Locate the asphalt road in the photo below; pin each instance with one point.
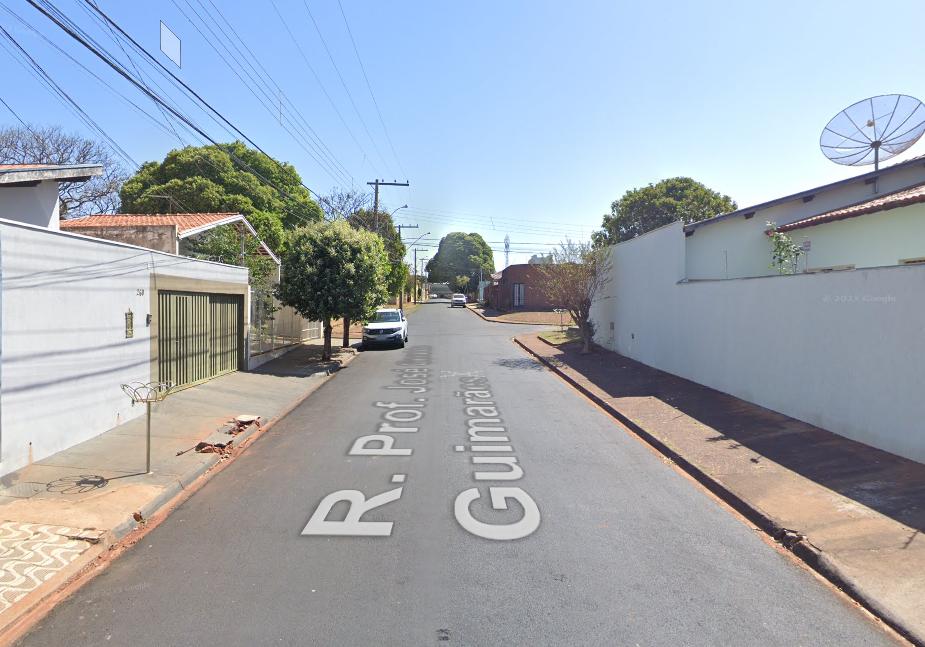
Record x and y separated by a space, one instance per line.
601 543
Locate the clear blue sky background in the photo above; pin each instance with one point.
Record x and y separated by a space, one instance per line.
520 118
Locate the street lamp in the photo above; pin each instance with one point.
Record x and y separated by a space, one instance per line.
404 206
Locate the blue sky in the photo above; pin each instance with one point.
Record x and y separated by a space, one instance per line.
515 118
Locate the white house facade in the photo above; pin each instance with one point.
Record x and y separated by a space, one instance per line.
81 316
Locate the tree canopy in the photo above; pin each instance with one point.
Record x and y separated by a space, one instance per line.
460 254
51 145
208 179
383 225
332 270
574 280
644 209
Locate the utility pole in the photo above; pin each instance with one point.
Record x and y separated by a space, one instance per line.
422 274
416 274
401 291
400 227
376 184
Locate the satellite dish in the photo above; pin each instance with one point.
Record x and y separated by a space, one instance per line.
873 130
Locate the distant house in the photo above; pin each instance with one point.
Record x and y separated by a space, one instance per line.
273 329
734 245
163 232
887 230
517 287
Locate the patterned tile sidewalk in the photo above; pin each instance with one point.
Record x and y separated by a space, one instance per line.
31 554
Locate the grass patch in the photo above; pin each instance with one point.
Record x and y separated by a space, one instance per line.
411 307
557 337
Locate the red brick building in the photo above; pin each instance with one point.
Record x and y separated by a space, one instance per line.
517 287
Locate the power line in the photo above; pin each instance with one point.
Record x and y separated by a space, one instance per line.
63 96
523 229
331 167
62 21
503 222
339 75
291 107
13 112
370 88
324 89
136 68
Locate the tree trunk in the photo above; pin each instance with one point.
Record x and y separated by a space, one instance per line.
346 341
326 348
585 337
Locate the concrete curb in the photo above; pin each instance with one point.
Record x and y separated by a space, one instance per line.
812 556
81 570
515 323
241 442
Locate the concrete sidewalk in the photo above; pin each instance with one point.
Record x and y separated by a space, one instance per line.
62 512
855 513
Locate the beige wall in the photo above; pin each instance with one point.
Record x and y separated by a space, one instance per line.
160 238
872 240
736 247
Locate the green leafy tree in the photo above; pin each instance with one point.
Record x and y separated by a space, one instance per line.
383 225
461 283
224 178
461 254
332 270
650 207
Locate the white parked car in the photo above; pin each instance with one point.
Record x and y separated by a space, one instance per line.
458 300
387 326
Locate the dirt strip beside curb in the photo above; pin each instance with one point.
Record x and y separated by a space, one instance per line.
516 323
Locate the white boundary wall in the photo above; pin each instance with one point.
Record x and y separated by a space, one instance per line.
844 351
63 350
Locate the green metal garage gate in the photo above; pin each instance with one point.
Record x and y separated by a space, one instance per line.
200 336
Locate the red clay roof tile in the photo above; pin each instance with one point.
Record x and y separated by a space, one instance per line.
893 200
183 221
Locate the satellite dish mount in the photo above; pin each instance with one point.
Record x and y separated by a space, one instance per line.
873 130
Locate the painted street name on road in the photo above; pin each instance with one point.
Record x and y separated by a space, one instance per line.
412 381
488 440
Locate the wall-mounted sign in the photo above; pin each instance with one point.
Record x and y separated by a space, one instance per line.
129 325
